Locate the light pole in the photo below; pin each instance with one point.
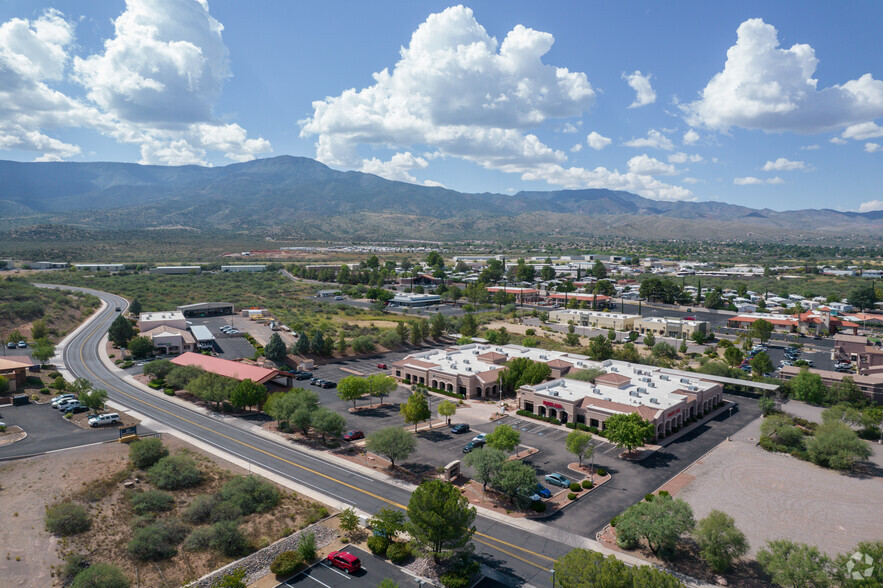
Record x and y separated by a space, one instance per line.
553 577
592 471
730 436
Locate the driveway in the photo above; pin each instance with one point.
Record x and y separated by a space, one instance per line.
48 431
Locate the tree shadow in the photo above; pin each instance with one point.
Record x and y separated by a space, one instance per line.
660 459
864 470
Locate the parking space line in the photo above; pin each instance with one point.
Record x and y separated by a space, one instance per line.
318 581
336 571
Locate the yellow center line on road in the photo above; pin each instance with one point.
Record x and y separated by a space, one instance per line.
305 468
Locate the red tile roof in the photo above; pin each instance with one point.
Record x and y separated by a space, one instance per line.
613 379
559 363
225 367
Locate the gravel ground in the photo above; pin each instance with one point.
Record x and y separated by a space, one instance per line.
257 565
774 496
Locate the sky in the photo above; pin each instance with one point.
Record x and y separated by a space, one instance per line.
765 104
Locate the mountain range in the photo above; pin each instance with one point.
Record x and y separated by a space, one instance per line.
296 197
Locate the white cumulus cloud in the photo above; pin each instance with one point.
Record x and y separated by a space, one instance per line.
653 140
642 87
862 131
690 180
782 164
597 141
681 157
870 206
644 164
838 141
601 177
813 147
396 168
872 147
752 181
576 148
763 86
690 137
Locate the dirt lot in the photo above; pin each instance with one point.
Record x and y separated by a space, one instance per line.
94 476
775 496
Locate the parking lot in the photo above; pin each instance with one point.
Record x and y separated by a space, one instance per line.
374 570
233 346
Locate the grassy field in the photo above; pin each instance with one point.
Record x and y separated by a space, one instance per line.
21 304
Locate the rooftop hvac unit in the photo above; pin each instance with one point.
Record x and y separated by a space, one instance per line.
685 380
475 352
664 377
652 384
654 401
596 391
543 357
693 388
465 361
469 369
613 369
642 390
553 392
635 392
500 349
645 379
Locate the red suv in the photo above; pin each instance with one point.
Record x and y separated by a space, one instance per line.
348 562
353 435
381 366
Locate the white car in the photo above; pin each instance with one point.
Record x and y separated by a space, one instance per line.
479 437
104 419
69 405
62 398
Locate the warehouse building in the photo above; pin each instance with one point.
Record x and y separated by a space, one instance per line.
46 265
100 267
176 269
670 327
206 309
243 268
410 300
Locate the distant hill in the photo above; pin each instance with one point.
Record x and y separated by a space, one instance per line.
296 196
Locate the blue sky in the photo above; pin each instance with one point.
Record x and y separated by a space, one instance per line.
766 104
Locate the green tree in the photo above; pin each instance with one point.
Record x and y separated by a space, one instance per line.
767 405
863 297
599 271
522 371
120 331
720 542
663 349
581 568
761 329
441 519
807 386
303 344
180 376
628 430
388 522
517 480
295 406
135 308
447 409
504 437
351 389
795 565
349 520
159 368
434 259
733 355
761 364
469 326
547 273
4 385
42 350
101 575
381 386
234 579
146 452
649 340
317 344
342 344
93 399
39 330
486 463
713 299
628 353
868 567
579 444
212 388
328 423
275 349
248 393
393 443
416 335
835 445
140 346
660 522
415 410
438 325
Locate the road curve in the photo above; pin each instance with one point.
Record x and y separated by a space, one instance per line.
509 550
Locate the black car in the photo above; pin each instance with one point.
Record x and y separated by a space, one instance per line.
460 428
303 376
473 445
316 381
327 384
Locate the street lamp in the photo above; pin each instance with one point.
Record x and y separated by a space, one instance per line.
553 577
729 438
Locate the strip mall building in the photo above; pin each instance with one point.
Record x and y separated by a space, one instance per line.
666 398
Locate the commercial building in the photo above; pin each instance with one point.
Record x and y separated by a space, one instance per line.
206 309
410 300
817 322
595 319
522 295
867 358
871 386
15 369
170 340
151 320
598 300
45 265
202 335
225 367
100 267
327 293
176 269
670 327
243 268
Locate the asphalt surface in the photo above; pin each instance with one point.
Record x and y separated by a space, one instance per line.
521 556
374 570
47 431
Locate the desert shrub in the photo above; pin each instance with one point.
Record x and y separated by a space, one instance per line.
200 510
2 428
174 472
539 506
571 496
398 552
101 575
587 484
316 513
158 540
67 518
649 497
613 521
144 454
74 563
228 539
54 374
378 545
575 487
152 501
453 579
45 391
58 383
306 546
286 564
250 494
199 539
143 520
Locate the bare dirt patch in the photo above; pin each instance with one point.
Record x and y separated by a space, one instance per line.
95 477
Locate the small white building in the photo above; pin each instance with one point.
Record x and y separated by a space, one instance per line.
243 268
176 269
45 265
172 318
411 300
100 267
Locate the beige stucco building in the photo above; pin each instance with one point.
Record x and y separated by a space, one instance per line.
594 318
670 327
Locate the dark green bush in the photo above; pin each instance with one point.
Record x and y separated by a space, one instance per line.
199 539
664 494
250 494
67 518
306 546
571 496
378 545
101 575
453 580
54 374
601 472
398 552
174 472
539 506
228 539
286 564
144 454
613 521
200 510
587 484
152 501
649 497
575 487
158 540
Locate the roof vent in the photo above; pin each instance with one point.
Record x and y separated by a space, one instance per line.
469 369
652 384
642 390
635 392
596 391
613 369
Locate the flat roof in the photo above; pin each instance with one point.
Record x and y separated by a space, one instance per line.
723 380
201 305
661 396
202 333
177 267
411 297
597 313
169 315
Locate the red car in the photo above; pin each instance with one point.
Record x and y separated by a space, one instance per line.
348 562
353 435
382 366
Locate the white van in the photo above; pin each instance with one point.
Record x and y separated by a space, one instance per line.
104 419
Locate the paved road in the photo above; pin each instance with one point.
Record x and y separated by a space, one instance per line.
522 556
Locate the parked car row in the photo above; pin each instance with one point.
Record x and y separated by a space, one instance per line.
322 383
21 345
301 375
230 330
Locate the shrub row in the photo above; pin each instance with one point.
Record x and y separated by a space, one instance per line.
527 413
